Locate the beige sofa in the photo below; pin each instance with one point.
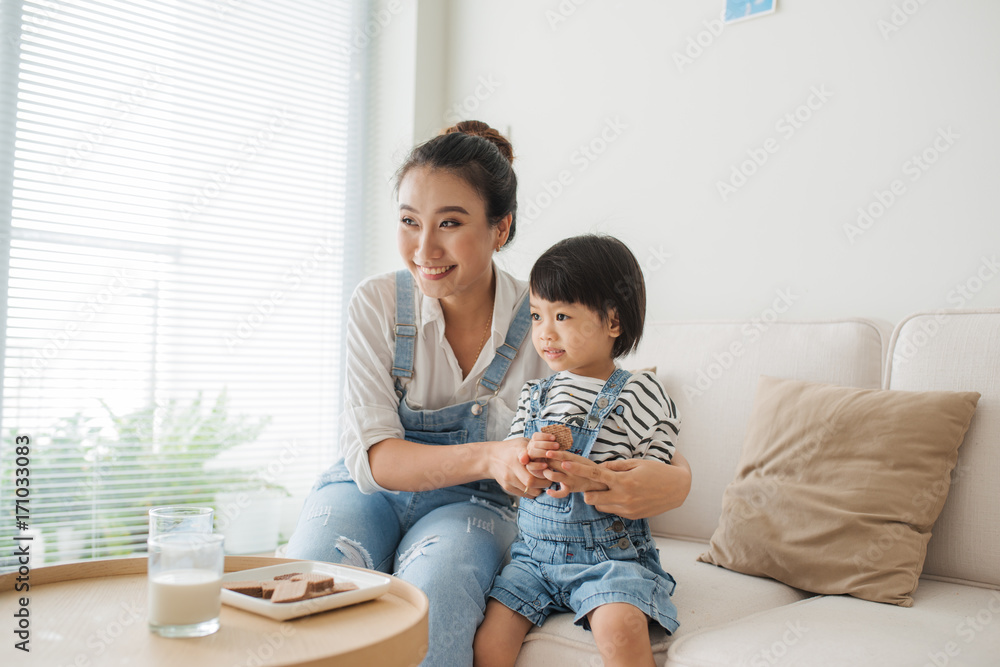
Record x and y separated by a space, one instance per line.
711 370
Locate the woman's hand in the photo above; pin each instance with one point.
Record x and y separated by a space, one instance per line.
571 483
630 488
507 465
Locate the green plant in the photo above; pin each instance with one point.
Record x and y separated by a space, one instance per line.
184 438
98 482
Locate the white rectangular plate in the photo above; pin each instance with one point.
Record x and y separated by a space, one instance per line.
370 586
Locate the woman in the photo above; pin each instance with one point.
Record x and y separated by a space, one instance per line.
433 359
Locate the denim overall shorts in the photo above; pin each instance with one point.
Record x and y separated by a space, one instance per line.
571 557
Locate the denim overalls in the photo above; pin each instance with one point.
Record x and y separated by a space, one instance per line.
570 556
450 542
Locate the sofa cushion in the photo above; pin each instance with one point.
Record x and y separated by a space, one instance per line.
710 370
824 497
705 596
948 624
959 351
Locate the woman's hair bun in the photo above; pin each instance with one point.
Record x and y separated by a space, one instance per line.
480 129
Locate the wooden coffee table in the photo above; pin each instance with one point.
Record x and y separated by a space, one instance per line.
94 613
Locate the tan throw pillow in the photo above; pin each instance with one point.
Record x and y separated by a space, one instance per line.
837 488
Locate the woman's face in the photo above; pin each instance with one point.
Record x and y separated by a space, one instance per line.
443 235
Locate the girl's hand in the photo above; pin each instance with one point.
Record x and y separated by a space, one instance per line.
629 488
507 461
539 445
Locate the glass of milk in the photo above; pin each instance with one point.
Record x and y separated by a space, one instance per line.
184 583
180 518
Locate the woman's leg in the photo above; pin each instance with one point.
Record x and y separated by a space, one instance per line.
339 524
621 632
452 554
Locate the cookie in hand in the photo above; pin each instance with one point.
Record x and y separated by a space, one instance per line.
564 436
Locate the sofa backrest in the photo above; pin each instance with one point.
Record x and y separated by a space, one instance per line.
959 351
710 370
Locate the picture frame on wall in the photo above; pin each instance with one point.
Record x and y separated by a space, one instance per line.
740 10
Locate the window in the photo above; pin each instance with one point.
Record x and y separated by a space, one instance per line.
178 178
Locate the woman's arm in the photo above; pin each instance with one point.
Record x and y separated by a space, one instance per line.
631 488
407 466
401 465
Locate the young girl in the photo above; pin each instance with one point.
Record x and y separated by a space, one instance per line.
587 303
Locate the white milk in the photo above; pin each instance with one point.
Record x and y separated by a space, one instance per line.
184 597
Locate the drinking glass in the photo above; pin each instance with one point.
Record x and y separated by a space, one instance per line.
185 584
180 519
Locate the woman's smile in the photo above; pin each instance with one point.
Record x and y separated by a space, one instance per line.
435 272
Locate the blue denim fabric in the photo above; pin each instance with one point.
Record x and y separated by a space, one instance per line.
571 557
450 542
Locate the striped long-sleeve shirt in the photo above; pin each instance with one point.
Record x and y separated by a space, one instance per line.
646 429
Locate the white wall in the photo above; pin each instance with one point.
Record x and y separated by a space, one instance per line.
560 75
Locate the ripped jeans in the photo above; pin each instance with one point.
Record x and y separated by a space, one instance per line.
448 542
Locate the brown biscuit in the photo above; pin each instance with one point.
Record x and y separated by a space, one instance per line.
267 588
337 588
290 591
317 582
564 436
251 588
292 587
343 587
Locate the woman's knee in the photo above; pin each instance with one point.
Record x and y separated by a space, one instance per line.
329 548
338 524
457 548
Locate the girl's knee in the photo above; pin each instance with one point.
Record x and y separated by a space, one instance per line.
621 632
619 623
499 637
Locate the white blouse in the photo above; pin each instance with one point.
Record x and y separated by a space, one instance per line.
371 404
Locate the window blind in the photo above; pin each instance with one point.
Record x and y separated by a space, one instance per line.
181 176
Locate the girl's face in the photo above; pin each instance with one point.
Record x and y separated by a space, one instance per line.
443 235
572 337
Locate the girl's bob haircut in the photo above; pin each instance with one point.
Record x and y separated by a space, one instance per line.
601 273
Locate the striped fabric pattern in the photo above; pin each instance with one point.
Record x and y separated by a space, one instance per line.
647 427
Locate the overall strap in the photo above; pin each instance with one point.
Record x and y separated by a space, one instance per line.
516 333
539 395
405 329
605 401
607 397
